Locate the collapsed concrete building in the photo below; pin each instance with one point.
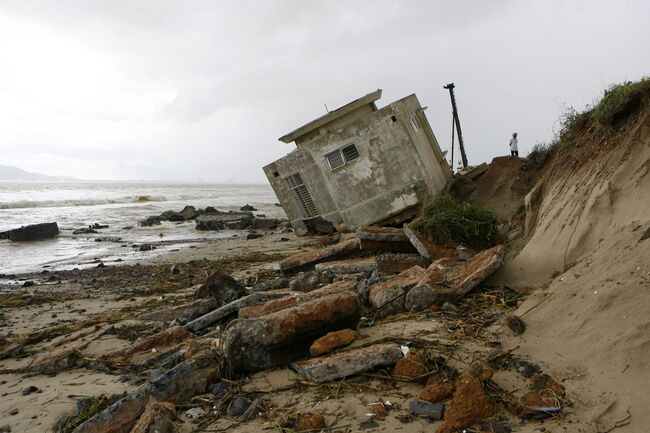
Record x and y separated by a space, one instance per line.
359 165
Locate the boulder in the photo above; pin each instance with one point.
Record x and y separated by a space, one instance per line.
221 287
219 220
247 208
313 257
171 215
319 226
348 363
33 232
189 213
153 220
264 223
275 338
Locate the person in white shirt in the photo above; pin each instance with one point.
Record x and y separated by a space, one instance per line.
514 149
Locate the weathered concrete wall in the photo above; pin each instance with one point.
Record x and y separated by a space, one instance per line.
300 161
398 154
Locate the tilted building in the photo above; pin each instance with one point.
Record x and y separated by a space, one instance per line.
359 165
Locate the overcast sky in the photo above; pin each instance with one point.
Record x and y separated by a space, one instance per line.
188 90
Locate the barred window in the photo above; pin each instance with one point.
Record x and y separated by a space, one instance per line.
340 157
301 195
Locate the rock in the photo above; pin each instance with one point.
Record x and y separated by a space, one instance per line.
471 403
5 428
171 215
410 367
379 409
547 396
157 417
426 409
150 221
309 422
449 307
189 213
146 247
195 412
313 257
83 231
516 324
272 284
219 220
218 390
348 363
275 338
238 406
14 411
28 283
331 341
305 282
208 224
264 223
30 390
247 208
250 236
388 296
176 269
33 232
200 323
221 287
319 226
349 266
437 392
381 234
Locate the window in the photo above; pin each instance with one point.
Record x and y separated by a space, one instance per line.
340 157
301 195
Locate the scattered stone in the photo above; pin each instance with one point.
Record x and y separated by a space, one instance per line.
219 389
247 208
331 341
527 369
250 236
449 307
238 406
379 409
14 411
189 213
348 363
313 257
195 412
171 215
410 367
516 324
33 232
308 422
221 287
427 410
30 390
5 429
275 338
83 231
28 283
146 247
547 396
437 392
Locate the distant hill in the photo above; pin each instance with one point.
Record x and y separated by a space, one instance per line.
15 173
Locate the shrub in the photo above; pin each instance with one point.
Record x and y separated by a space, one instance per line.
619 98
449 222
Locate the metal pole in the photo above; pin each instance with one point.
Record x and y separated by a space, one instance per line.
451 86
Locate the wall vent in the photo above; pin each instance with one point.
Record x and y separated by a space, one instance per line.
340 157
301 195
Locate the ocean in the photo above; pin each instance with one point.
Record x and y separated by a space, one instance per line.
120 205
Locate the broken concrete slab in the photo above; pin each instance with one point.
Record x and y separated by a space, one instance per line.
187 311
447 280
348 363
371 246
157 417
420 242
331 341
179 384
293 298
349 266
167 338
222 287
275 338
310 258
388 296
200 323
393 263
381 234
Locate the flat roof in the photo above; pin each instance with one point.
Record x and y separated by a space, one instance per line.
331 116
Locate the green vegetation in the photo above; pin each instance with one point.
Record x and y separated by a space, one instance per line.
449 222
618 101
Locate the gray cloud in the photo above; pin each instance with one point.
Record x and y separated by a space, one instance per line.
178 90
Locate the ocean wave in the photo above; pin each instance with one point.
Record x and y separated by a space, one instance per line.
22 204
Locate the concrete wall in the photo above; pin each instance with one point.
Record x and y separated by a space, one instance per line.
398 154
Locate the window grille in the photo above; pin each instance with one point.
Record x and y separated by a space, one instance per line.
340 157
301 195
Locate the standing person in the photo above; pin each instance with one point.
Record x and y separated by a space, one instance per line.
514 149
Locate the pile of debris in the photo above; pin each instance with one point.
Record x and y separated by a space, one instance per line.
323 320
